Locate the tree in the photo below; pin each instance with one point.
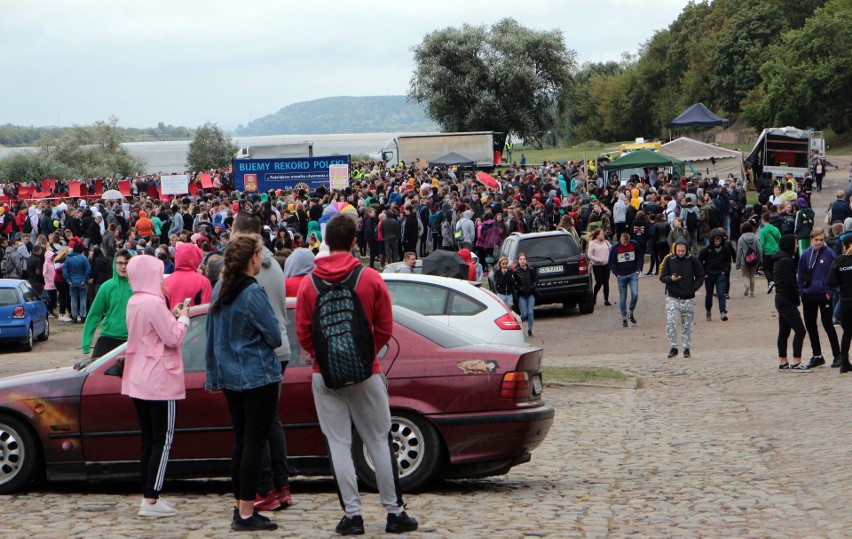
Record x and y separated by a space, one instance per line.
210 148
507 78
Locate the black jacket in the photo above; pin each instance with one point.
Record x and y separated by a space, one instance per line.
784 272
691 276
525 280
504 283
717 262
840 276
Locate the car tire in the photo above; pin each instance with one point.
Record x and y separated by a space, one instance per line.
587 306
419 453
46 333
19 454
27 345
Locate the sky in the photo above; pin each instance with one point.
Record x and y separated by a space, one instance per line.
187 62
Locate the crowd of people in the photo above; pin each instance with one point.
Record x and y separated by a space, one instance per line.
244 253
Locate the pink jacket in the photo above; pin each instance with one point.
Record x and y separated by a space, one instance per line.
48 271
598 252
186 282
153 365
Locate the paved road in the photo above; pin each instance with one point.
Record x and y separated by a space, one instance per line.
721 445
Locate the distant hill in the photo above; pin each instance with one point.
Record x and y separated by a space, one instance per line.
345 114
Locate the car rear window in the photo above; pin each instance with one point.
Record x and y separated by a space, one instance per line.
438 333
549 247
8 297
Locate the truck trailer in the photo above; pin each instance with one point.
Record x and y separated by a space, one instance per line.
483 147
271 151
786 150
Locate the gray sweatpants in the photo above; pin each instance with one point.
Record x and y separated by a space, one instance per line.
366 406
679 310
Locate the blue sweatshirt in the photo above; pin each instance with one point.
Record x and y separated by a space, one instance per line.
819 263
624 260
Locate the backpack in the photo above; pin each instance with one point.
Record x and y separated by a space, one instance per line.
750 257
342 336
8 265
692 221
28 225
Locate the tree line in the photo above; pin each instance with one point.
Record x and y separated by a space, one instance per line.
20 135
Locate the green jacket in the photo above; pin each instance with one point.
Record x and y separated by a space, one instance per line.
109 310
769 237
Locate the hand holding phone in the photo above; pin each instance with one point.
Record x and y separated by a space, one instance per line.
182 309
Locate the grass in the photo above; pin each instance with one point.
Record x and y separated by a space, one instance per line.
582 375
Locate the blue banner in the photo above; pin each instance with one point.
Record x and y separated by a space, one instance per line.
262 175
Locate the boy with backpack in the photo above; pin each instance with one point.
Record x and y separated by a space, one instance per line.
343 317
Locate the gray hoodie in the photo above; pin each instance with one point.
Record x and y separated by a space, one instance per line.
271 278
300 262
467 227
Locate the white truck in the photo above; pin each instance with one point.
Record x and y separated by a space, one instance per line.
271 151
478 146
783 150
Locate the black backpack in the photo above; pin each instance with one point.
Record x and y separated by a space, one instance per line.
692 221
343 338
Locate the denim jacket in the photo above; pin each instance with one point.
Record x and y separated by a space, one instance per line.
241 342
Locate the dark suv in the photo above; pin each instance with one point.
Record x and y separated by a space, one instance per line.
563 271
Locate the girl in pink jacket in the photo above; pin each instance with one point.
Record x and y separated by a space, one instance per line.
49 273
153 374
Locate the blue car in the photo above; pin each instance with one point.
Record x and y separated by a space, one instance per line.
23 315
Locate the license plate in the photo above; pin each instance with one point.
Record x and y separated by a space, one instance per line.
536 386
550 269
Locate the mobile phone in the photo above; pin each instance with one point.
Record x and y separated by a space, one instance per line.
186 303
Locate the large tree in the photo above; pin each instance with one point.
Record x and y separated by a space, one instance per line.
210 148
504 78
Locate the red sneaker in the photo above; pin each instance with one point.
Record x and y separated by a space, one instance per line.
283 496
270 503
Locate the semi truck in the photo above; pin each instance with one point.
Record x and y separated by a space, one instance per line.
786 150
483 147
271 151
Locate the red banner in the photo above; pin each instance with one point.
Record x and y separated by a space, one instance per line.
25 192
99 187
193 188
48 184
74 189
124 187
152 191
206 181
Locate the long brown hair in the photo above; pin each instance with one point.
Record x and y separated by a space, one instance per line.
237 257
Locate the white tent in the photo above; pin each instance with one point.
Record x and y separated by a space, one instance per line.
701 157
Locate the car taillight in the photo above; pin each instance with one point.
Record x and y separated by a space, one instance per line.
18 312
515 385
508 322
584 266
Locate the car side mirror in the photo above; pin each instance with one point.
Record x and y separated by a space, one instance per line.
117 368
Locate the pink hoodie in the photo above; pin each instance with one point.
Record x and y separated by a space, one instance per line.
186 282
48 271
153 365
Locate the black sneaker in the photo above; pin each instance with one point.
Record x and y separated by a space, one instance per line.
672 353
400 523
709 316
632 319
784 367
252 524
686 353
607 303
816 361
724 317
351 526
624 323
836 363
798 367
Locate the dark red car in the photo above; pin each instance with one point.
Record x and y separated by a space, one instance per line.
459 409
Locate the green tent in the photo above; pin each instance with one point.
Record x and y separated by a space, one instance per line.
644 159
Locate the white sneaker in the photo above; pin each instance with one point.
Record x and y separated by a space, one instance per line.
156 510
167 502
65 319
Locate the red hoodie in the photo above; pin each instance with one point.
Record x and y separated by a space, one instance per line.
371 289
185 281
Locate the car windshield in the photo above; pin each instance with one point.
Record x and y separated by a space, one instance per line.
436 332
549 248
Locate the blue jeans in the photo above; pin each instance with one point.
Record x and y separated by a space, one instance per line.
79 297
625 281
719 282
527 305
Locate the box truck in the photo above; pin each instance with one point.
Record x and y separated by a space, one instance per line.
783 150
271 151
483 147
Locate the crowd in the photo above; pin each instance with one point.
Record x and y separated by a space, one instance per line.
244 253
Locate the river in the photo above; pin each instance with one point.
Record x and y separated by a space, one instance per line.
170 156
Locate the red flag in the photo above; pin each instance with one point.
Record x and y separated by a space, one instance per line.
124 187
206 181
152 191
193 188
74 189
99 187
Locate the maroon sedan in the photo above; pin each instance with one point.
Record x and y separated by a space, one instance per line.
459 409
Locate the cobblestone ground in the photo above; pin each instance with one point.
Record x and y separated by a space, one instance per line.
720 445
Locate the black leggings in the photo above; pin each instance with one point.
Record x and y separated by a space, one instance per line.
789 319
157 423
846 324
105 345
768 264
251 413
810 308
601 280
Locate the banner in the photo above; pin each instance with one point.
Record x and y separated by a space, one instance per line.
74 189
174 185
308 173
338 176
206 181
124 187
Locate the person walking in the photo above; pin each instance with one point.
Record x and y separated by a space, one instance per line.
787 304
241 362
109 310
748 256
716 259
683 275
153 374
526 279
364 404
598 254
76 272
49 273
814 265
625 262
803 224
62 288
502 282
840 276
769 236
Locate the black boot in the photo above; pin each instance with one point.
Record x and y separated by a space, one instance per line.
845 366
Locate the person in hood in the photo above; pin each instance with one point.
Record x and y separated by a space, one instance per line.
109 310
297 265
366 403
185 282
814 265
144 226
465 231
76 272
716 259
153 374
242 363
840 276
748 256
683 275
466 255
803 223
49 273
787 305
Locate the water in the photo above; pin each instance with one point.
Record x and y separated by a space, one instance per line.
170 156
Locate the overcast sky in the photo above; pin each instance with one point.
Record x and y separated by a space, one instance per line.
186 62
